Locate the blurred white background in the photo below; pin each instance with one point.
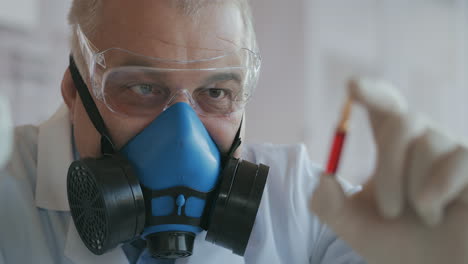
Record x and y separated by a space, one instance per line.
309 48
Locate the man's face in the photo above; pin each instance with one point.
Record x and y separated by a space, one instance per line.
157 29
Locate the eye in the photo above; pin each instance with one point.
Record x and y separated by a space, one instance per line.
216 93
142 89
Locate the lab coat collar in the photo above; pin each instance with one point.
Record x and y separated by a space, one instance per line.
55 154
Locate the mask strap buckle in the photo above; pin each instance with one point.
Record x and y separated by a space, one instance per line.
107 147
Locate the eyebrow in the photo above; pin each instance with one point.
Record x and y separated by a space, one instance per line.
224 76
135 62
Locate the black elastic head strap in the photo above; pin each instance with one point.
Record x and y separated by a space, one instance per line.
237 141
107 147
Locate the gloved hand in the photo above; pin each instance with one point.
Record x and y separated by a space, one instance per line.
414 208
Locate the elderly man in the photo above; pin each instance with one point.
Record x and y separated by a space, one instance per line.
153 120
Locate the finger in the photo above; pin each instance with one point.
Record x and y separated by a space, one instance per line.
380 98
393 130
424 151
447 182
356 220
348 217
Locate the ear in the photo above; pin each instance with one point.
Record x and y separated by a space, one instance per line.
69 92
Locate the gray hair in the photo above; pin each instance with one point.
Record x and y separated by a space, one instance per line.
86 12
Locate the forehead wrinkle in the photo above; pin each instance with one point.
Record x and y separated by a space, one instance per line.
232 42
186 52
193 47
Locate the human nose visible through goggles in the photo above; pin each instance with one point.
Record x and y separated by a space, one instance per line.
217 83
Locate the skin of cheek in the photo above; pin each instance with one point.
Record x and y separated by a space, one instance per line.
122 128
87 139
223 130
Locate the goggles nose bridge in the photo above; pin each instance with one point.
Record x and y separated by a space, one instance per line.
178 97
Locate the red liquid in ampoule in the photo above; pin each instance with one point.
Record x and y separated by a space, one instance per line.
335 152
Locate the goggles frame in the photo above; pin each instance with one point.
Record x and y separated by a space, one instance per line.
94 59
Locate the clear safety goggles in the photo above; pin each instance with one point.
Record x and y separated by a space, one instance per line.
216 83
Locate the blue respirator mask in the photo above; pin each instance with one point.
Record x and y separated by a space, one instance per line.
166 185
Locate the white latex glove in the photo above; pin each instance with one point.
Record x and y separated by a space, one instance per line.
6 132
414 207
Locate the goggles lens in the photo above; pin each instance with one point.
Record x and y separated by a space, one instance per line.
142 91
136 85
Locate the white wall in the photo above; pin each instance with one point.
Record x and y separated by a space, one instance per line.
19 13
33 58
277 111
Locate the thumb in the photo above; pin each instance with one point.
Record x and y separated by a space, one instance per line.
334 208
354 219
328 199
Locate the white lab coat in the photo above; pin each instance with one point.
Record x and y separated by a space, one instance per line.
36 227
